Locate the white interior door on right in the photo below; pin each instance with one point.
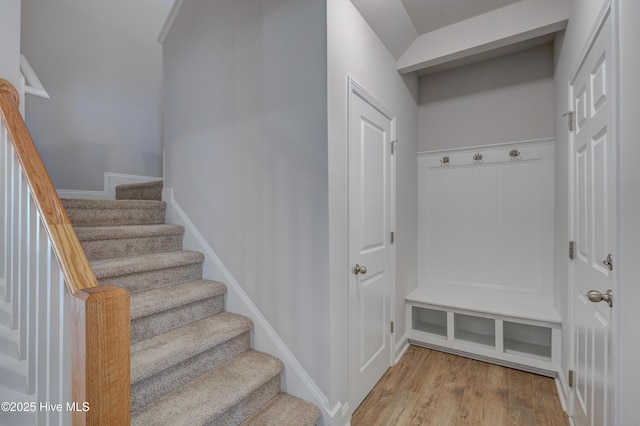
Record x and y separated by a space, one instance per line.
593 222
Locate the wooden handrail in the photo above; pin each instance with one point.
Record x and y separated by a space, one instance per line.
100 314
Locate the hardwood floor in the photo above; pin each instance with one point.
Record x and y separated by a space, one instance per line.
428 387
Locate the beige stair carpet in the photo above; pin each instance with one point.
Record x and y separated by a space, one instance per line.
191 361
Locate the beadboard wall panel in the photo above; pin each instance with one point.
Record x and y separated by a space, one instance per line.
485 226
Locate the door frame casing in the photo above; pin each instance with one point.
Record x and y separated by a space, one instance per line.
609 10
355 89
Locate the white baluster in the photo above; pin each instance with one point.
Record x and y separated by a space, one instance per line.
23 260
64 351
43 312
3 208
31 280
34 252
14 267
53 394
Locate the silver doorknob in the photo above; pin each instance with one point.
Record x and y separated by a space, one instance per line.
359 269
595 296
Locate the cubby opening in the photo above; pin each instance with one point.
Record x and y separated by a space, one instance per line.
530 340
429 321
478 330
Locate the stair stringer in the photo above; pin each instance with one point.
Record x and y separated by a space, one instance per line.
296 381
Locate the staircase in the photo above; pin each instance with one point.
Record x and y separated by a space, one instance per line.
191 362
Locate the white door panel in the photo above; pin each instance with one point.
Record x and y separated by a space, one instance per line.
593 228
369 244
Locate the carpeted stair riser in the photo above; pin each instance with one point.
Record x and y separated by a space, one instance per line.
152 325
191 361
250 404
170 297
134 241
168 349
162 309
225 395
140 191
145 391
284 410
161 363
114 213
151 272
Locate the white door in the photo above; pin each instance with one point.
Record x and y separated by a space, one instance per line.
370 247
594 230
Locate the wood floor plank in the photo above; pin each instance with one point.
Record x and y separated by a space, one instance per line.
442 397
496 404
472 408
521 416
428 387
520 390
431 402
546 403
400 412
406 375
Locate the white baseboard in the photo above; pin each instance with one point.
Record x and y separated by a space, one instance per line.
401 347
563 392
111 180
296 380
85 195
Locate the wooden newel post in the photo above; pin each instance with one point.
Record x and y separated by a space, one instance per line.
101 350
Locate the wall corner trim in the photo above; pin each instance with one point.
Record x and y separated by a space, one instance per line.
261 325
563 391
168 23
401 347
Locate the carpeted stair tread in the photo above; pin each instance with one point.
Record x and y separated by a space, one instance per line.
140 191
100 233
137 264
191 362
163 299
82 212
87 204
165 350
285 410
106 242
214 394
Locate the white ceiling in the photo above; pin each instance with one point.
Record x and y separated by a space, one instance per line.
429 15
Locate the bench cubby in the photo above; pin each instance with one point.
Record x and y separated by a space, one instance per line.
520 335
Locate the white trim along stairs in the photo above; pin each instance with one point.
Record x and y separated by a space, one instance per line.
191 361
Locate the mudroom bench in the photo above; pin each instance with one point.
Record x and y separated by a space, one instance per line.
514 334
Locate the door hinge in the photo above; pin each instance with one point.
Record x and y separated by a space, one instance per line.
393 237
393 146
572 253
570 378
569 115
392 326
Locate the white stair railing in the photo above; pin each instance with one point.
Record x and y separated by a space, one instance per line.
73 333
33 86
35 287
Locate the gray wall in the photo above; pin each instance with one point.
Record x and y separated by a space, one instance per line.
354 50
504 99
627 314
10 44
102 66
246 154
